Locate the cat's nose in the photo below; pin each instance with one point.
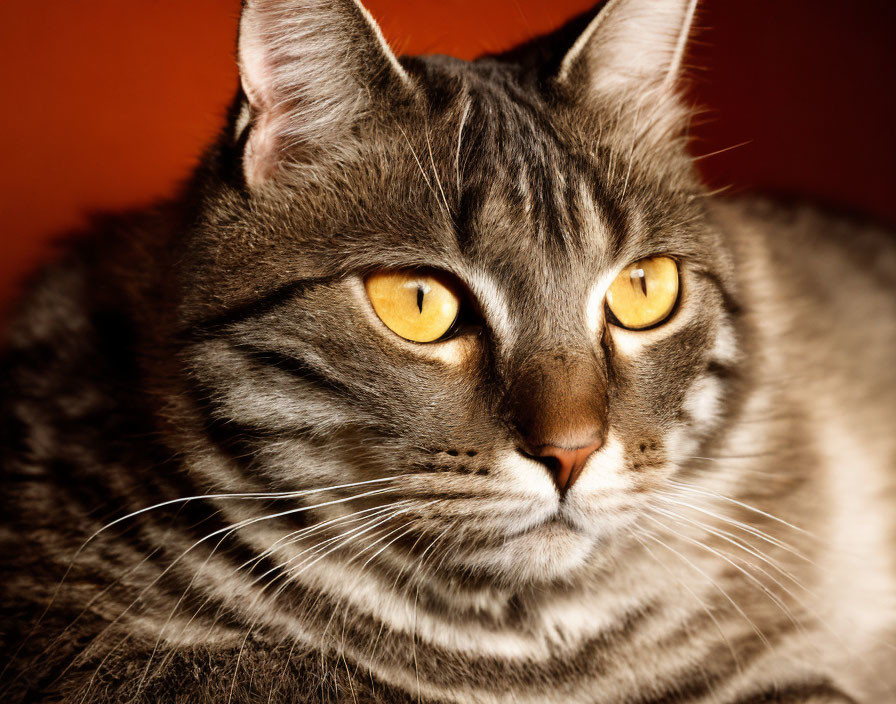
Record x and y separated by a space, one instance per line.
558 403
565 464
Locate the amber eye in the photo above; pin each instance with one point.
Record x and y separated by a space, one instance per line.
645 293
419 306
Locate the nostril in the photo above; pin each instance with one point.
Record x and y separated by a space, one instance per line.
552 463
564 464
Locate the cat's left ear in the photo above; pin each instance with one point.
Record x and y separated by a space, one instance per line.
310 70
630 49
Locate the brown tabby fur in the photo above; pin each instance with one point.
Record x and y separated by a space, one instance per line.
197 397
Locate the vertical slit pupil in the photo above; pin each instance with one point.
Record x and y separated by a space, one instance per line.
642 279
420 294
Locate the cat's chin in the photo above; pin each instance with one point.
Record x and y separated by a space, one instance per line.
548 551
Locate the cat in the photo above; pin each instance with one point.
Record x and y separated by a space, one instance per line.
450 382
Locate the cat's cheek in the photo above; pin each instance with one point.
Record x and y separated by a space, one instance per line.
702 403
681 444
701 411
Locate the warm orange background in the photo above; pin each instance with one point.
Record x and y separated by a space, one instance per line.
106 103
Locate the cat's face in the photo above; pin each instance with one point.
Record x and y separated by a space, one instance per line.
526 204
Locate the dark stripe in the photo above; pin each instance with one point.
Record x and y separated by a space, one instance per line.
732 306
722 371
213 326
226 435
821 690
295 367
700 679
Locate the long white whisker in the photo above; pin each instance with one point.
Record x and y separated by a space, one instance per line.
378 552
419 164
733 540
691 487
762 535
709 579
460 135
762 587
292 537
183 500
228 530
435 173
284 567
251 495
293 574
690 591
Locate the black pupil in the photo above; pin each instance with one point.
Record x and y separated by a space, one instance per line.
420 294
642 279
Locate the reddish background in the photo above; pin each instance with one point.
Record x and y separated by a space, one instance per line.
106 103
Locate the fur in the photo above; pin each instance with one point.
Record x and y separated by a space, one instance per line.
225 480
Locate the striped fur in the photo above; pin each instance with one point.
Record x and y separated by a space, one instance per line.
226 481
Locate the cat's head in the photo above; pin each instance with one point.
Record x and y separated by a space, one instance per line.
484 293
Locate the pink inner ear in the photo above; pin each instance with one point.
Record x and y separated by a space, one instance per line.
633 45
305 67
261 150
256 76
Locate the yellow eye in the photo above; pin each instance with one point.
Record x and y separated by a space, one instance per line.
419 306
645 293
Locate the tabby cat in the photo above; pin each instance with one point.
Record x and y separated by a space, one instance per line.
450 382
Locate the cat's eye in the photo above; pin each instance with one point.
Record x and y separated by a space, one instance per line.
645 293
419 306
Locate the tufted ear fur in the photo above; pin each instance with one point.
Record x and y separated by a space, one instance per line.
309 69
631 48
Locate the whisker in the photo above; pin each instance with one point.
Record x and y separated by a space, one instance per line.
284 567
753 579
391 542
733 540
460 135
706 492
295 535
762 535
435 173
228 530
419 164
810 609
690 591
722 151
184 500
293 574
252 495
709 579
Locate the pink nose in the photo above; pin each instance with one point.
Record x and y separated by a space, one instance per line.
566 464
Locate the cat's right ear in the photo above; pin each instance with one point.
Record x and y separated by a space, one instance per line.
632 48
310 69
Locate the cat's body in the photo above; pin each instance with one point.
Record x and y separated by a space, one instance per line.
733 539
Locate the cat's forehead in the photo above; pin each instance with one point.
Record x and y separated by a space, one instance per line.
488 181
514 191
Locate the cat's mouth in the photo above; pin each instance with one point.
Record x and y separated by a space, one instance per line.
544 550
553 524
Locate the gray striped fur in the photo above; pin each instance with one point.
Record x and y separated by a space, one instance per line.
363 526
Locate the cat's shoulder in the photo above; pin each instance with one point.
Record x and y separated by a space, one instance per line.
824 242
819 285
807 227
92 273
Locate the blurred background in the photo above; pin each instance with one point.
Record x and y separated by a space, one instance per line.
106 104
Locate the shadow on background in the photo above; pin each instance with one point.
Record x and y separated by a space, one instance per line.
107 104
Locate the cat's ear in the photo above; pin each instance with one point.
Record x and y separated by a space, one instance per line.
310 69
631 48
